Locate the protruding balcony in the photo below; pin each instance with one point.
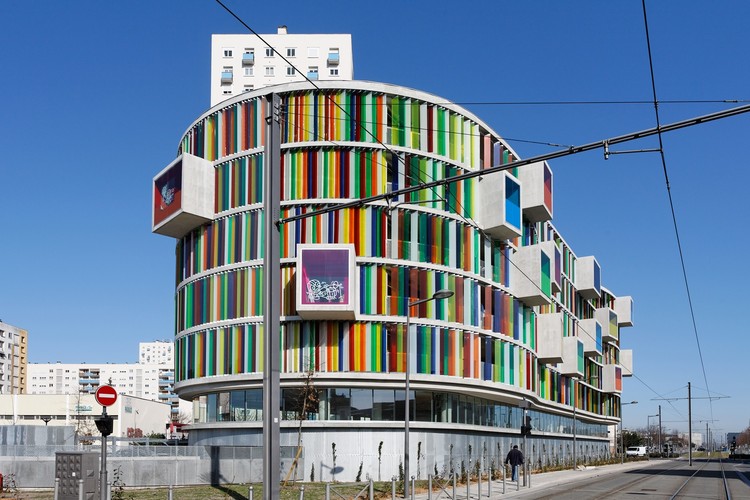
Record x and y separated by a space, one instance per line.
612 379
248 58
549 336
183 196
624 310
536 199
227 77
590 333
588 277
530 275
608 319
312 75
333 58
626 361
499 205
572 364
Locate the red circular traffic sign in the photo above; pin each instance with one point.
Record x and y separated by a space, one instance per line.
106 395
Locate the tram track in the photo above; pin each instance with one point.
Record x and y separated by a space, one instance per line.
665 480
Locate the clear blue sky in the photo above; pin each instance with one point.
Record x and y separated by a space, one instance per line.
95 96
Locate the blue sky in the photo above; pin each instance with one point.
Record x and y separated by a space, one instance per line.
96 95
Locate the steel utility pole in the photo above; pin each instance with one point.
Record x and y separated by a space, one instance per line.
660 449
690 428
272 308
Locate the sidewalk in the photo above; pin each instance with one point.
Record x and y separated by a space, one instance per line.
539 482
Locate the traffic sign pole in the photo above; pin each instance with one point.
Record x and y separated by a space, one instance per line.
106 395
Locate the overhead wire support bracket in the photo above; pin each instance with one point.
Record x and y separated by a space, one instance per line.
535 159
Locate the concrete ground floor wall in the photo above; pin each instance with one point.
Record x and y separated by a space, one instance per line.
234 455
345 452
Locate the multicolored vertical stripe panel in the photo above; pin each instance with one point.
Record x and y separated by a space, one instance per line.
373 117
236 128
229 240
218 297
222 351
500 262
424 237
329 346
335 116
238 183
332 173
365 227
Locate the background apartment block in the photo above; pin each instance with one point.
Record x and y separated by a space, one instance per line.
13 360
242 63
147 380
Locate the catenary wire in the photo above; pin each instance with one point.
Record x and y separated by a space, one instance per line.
487 238
671 201
655 102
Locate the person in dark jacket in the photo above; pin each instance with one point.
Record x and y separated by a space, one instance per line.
514 458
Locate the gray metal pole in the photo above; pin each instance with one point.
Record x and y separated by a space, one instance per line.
250 493
690 428
57 487
525 448
429 486
407 406
272 309
103 471
80 489
575 397
660 450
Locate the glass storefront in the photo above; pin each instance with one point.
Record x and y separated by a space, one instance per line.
343 403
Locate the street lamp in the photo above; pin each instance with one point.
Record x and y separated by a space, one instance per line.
439 295
622 437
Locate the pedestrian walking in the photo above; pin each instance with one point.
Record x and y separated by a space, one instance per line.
514 458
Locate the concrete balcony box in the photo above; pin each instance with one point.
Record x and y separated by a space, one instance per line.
612 379
536 196
549 336
624 310
227 77
555 265
499 205
248 59
590 333
183 196
572 364
326 279
333 58
608 319
530 275
626 361
588 278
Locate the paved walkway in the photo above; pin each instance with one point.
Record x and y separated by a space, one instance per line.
539 482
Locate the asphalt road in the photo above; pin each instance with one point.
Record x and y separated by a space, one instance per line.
666 479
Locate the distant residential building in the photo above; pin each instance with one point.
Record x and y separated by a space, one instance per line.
13 360
157 352
242 63
148 380
133 416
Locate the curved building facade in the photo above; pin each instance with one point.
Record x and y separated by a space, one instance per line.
529 323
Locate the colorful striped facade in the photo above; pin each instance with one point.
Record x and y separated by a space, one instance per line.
351 141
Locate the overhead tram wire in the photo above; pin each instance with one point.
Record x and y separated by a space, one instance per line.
671 202
310 81
328 97
568 151
484 235
548 156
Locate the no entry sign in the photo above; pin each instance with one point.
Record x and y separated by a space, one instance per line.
106 395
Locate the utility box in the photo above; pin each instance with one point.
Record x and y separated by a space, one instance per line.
70 468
